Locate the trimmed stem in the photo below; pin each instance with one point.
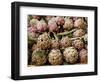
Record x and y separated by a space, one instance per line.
49 35
66 33
77 38
55 36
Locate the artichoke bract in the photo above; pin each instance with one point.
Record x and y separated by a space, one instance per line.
79 44
55 57
83 56
68 25
39 57
80 23
70 55
43 41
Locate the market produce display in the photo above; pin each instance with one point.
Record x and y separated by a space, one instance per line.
57 40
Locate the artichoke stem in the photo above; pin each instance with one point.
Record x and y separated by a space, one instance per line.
77 38
49 35
55 36
66 33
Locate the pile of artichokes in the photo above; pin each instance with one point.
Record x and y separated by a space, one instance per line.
57 40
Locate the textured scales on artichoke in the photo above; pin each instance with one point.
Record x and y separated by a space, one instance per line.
39 52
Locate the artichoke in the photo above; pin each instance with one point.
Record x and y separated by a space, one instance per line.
39 57
83 56
68 25
43 41
65 42
80 23
33 22
32 36
70 55
54 43
55 57
52 25
41 26
60 20
78 33
78 43
32 29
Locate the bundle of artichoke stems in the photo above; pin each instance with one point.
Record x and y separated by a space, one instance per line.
57 40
